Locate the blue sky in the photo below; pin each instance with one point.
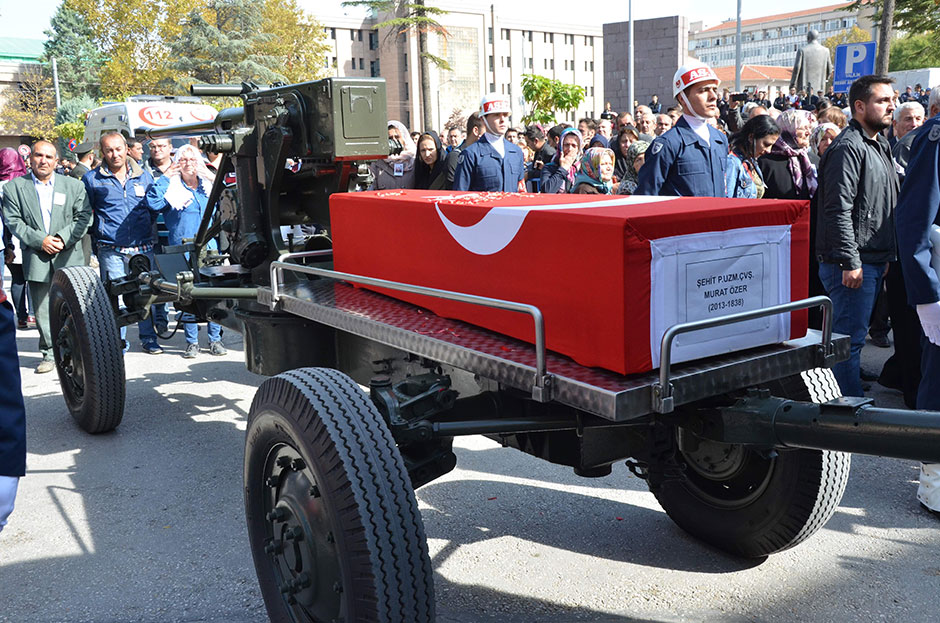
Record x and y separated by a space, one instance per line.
30 19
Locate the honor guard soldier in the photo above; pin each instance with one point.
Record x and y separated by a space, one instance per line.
492 163
916 218
690 159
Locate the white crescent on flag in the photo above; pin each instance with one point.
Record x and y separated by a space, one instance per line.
499 226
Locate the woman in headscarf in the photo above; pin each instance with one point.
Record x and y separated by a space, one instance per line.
558 175
820 138
596 174
12 165
398 170
182 194
633 160
620 143
431 165
787 170
743 178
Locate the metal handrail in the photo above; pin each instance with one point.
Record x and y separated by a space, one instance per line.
541 390
662 391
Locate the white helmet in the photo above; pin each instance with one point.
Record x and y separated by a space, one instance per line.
495 103
692 73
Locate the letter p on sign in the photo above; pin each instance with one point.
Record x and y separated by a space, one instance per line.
856 55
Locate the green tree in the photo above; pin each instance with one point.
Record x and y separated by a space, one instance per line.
71 42
413 17
134 36
545 96
913 16
915 52
70 119
298 42
30 109
221 43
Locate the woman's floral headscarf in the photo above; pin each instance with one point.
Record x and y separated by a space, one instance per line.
590 171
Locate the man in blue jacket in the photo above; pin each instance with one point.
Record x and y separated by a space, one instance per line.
492 163
689 160
123 227
916 216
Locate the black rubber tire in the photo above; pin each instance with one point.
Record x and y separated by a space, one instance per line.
319 453
87 349
756 506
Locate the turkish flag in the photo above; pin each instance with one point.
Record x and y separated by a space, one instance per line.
609 273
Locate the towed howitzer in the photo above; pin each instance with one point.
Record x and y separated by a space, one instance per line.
745 450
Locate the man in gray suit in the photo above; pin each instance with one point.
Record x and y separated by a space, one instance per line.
49 213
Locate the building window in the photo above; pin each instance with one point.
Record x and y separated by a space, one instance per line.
551 37
591 65
551 63
489 35
492 88
362 63
374 69
405 61
360 35
406 92
332 33
491 63
353 61
529 35
509 89
592 91
508 61
334 62
505 34
546 63
373 40
530 63
352 35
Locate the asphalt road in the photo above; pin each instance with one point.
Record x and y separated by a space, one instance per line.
146 525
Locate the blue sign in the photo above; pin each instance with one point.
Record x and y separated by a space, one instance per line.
853 60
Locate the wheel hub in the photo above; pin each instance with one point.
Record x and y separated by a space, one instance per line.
301 542
69 357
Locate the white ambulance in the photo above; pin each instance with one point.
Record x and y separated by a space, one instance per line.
144 112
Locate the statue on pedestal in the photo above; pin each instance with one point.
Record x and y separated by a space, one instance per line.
813 65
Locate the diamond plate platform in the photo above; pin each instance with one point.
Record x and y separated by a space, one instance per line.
511 362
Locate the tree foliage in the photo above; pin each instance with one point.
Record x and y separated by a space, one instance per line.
914 51
30 109
546 96
71 42
220 43
162 47
298 44
134 36
913 16
70 119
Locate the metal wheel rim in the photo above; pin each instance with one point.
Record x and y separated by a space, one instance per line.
735 480
299 539
68 358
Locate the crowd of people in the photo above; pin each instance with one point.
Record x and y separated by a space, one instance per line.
846 154
866 161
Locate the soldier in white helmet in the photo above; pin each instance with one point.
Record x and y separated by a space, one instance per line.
689 160
492 163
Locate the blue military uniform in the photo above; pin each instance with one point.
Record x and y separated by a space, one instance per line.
917 210
680 163
481 168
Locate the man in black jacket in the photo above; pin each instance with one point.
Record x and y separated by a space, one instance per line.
858 189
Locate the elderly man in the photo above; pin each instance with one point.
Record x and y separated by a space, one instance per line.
908 116
49 213
646 125
858 189
123 227
663 124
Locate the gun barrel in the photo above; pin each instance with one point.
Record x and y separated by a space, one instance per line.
217 90
865 429
227 119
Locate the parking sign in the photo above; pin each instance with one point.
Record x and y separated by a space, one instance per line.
853 60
